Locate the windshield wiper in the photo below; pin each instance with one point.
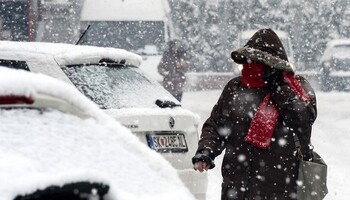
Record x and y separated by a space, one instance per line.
166 104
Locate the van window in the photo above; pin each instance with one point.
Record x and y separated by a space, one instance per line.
129 35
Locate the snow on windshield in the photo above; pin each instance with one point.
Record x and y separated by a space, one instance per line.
117 87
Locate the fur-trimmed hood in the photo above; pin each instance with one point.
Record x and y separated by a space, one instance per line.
264 46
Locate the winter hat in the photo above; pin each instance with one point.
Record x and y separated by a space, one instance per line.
266 47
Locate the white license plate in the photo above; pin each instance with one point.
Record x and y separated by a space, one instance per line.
167 142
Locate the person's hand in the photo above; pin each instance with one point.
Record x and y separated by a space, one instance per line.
201 166
274 79
202 161
182 65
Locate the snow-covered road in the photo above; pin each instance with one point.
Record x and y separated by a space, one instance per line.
330 137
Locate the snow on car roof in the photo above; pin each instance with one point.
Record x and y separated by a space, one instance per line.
328 52
337 42
69 54
123 10
23 83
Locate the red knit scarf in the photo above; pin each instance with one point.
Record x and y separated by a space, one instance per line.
265 119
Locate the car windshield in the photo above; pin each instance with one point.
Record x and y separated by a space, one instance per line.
117 86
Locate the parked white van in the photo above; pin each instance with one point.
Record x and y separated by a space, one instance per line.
125 24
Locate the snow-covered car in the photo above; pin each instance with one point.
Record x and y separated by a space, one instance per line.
335 65
111 78
57 144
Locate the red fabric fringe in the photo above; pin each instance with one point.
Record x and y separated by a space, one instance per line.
296 86
263 124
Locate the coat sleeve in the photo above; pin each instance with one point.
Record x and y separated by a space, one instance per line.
210 140
162 66
294 110
183 65
297 115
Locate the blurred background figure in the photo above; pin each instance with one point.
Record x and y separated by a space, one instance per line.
173 66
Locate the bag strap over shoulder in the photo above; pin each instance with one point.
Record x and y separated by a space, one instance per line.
298 147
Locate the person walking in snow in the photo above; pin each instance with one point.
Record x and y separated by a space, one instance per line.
173 66
255 120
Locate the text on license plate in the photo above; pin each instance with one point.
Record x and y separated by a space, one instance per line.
167 142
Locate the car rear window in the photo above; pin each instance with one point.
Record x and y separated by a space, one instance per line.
117 86
14 64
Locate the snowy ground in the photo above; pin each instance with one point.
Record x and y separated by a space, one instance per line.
331 138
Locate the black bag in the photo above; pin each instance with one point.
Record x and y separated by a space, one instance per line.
312 179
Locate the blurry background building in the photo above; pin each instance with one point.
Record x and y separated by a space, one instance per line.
40 20
210 29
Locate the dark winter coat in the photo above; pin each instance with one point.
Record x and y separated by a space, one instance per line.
173 67
250 173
